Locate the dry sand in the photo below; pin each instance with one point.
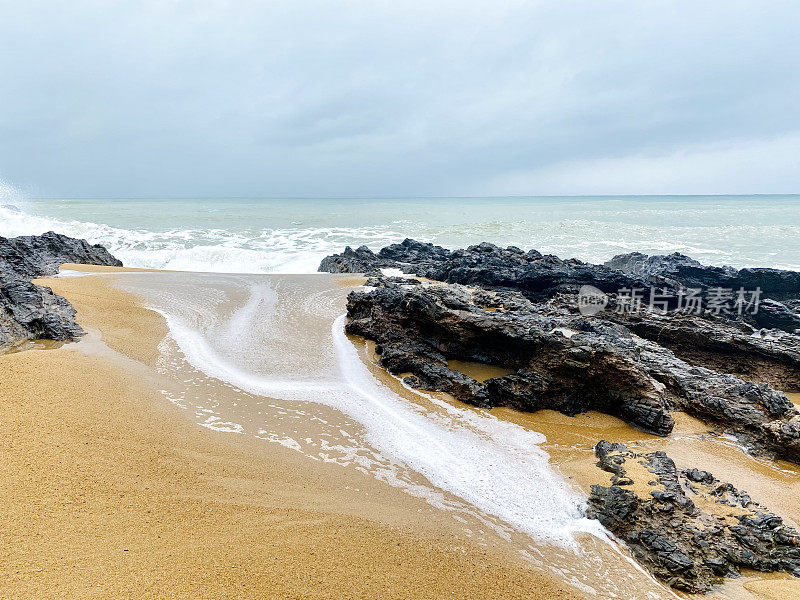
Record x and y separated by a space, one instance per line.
111 492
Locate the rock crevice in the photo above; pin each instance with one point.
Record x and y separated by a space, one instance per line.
686 526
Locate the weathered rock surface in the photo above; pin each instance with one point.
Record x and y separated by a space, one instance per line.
687 527
419 327
768 356
360 260
29 311
687 272
40 255
541 277
748 345
487 265
779 289
518 310
562 361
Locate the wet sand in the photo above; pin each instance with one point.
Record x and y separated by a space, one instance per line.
110 491
98 445
773 483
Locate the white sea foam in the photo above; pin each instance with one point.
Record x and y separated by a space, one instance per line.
291 250
249 237
493 465
492 475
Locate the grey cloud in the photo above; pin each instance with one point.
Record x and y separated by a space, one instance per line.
361 98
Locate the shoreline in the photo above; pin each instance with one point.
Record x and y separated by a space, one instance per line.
145 503
121 355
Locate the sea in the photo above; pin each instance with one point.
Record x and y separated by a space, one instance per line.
291 235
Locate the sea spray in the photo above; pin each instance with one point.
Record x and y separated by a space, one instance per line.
292 236
277 343
495 466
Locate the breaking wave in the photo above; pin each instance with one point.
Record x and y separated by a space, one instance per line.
231 237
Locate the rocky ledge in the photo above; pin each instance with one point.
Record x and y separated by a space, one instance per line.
540 276
519 310
558 360
522 311
686 526
32 312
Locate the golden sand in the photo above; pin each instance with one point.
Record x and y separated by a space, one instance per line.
478 371
111 492
571 440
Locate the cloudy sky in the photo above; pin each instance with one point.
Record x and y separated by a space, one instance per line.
170 98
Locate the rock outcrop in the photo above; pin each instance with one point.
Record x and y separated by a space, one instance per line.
520 311
41 255
537 276
32 312
779 290
687 272
768 356
561 361
687 527
541 277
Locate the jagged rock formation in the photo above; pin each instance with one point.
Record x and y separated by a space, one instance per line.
562 361
768 356
762 347
360 260
29 311
687 527
541 277
41 255
537 276
32 312
677 270
685 271
519 310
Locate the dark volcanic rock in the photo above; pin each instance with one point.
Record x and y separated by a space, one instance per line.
687 272
518 310
562 361
360 260
687 527
536 276
410 256
419 327
486 265
29 311
413 253
39 255
772 357
541 277
677 270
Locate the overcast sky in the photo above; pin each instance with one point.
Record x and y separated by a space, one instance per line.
399 98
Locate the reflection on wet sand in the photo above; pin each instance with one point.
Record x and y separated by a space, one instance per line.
570 442
273 333
478 371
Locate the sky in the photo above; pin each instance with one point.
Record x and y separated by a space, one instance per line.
207 98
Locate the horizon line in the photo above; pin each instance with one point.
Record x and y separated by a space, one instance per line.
513 196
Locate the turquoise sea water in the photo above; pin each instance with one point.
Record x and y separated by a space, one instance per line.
293 235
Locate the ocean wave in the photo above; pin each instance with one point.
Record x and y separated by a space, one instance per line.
711 235
297 250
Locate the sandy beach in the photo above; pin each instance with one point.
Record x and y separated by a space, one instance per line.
111 492
399 301
122 483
